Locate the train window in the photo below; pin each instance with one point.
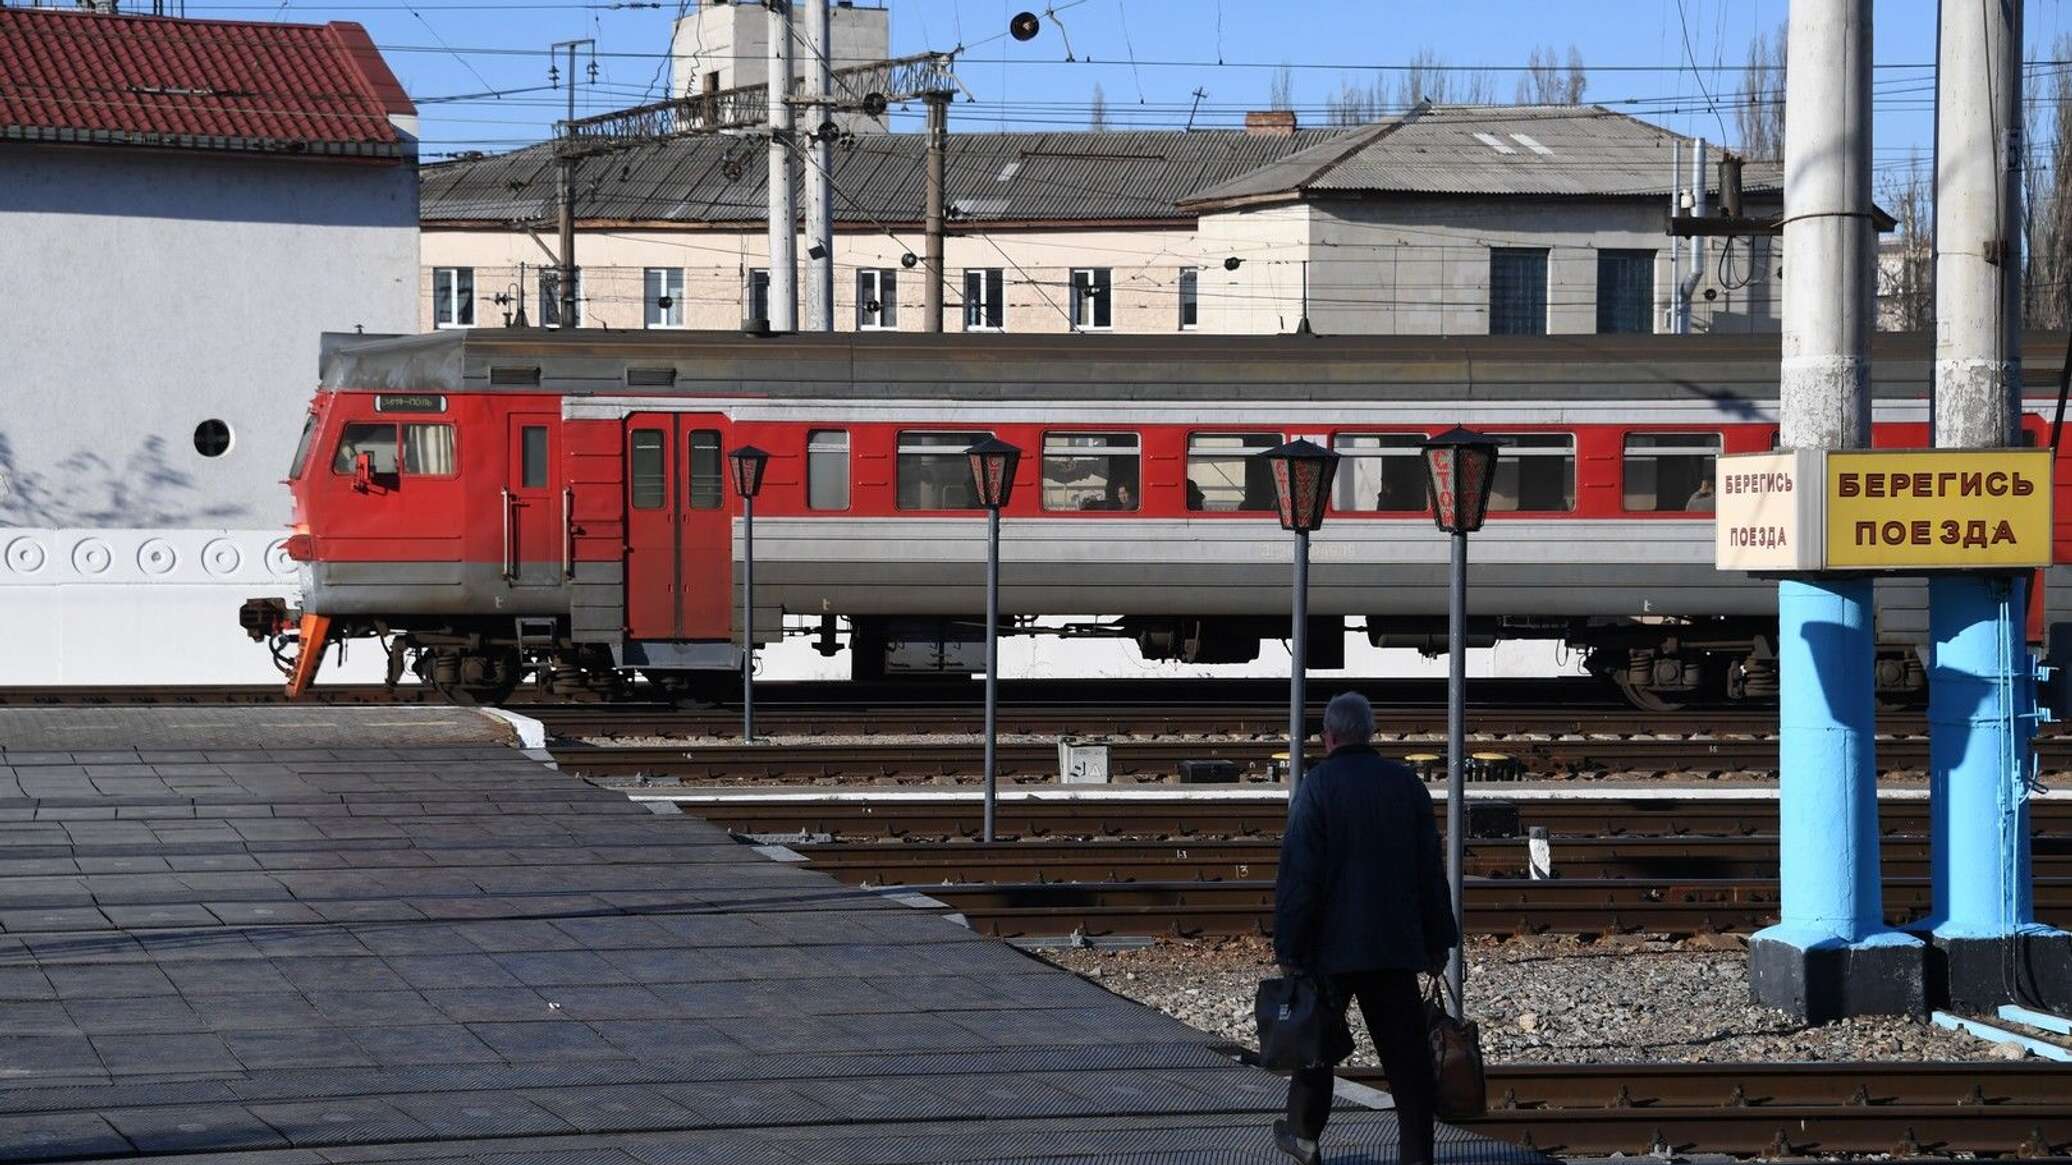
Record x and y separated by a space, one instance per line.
377 439
428 450
1379 473
1670 471
649 470
1535 473
708 478
827 469
933 471
309 436
532 454
1090 471
1225 471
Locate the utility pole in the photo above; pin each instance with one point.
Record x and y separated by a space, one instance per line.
820 207
1982 691
783 200
1831 954
938 148
1699 208
565 275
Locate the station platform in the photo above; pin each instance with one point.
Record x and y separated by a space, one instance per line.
384 935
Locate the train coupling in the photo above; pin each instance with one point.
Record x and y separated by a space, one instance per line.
263 619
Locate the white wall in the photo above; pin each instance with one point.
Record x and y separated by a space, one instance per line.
147 292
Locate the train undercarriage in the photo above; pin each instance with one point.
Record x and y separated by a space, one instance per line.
1656 665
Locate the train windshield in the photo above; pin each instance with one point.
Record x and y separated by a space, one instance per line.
309 436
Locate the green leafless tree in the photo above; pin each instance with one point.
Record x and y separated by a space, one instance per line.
1097 113
1906 263
1280 91
1759 108
1548 81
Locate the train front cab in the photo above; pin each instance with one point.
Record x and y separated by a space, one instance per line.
440 521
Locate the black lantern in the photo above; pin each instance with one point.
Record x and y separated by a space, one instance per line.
1460 467
1302 473
748 464
993 463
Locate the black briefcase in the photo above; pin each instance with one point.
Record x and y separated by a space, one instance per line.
1300 1025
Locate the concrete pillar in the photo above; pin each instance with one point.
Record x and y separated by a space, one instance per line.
783 198
820 203
1830 955
1982 691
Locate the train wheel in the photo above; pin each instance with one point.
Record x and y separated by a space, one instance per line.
1645 699
472 677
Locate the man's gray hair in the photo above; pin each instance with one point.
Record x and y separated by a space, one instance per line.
1349 718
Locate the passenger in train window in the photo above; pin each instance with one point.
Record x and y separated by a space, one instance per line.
1701 499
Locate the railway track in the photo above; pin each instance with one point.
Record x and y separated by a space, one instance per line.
1207 860
1594 906
939 817
1778 1110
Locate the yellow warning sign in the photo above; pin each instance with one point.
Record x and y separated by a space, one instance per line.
1938 509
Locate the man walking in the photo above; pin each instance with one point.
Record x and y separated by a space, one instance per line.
1361 904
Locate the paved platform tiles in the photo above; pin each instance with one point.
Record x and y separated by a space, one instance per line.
284 936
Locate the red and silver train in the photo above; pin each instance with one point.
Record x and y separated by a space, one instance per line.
497 504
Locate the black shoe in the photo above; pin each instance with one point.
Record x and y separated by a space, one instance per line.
1301 1148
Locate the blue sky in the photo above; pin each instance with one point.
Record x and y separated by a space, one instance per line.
1639 53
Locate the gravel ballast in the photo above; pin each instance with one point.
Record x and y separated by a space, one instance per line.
1550 1000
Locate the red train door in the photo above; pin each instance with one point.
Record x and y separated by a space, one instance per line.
679 552
533 534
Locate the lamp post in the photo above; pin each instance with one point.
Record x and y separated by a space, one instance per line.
1302 473
748 463
993 464
1460 466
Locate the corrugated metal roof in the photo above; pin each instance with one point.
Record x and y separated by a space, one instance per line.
1015 177
88 78
1528 149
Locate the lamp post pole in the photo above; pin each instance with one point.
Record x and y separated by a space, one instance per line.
1460 468
748 619
993 465
1302 473
748 463
992 659
1298 665
1456 746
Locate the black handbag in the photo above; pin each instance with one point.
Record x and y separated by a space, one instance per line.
1300 1025
1463 1089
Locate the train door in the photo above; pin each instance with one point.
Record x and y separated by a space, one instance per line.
534 537
679 539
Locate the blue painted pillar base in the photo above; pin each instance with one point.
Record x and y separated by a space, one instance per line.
1831 955
1988 948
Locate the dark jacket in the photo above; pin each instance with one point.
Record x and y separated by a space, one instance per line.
1362 886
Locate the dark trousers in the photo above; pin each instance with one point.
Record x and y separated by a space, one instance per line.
1394 1012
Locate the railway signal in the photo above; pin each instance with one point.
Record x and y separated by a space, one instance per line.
747 464
993 465
1302 473
1460 468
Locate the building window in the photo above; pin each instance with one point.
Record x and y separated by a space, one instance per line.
1090 471
453 297
1670 471
877 298
1091 287
1225 471
827 469
1625 291
212 438
933 472
983 309
1190 297
757 304
662 295
1536 472
649 470
1517 291
1382 473
550 298
708 479
532 457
